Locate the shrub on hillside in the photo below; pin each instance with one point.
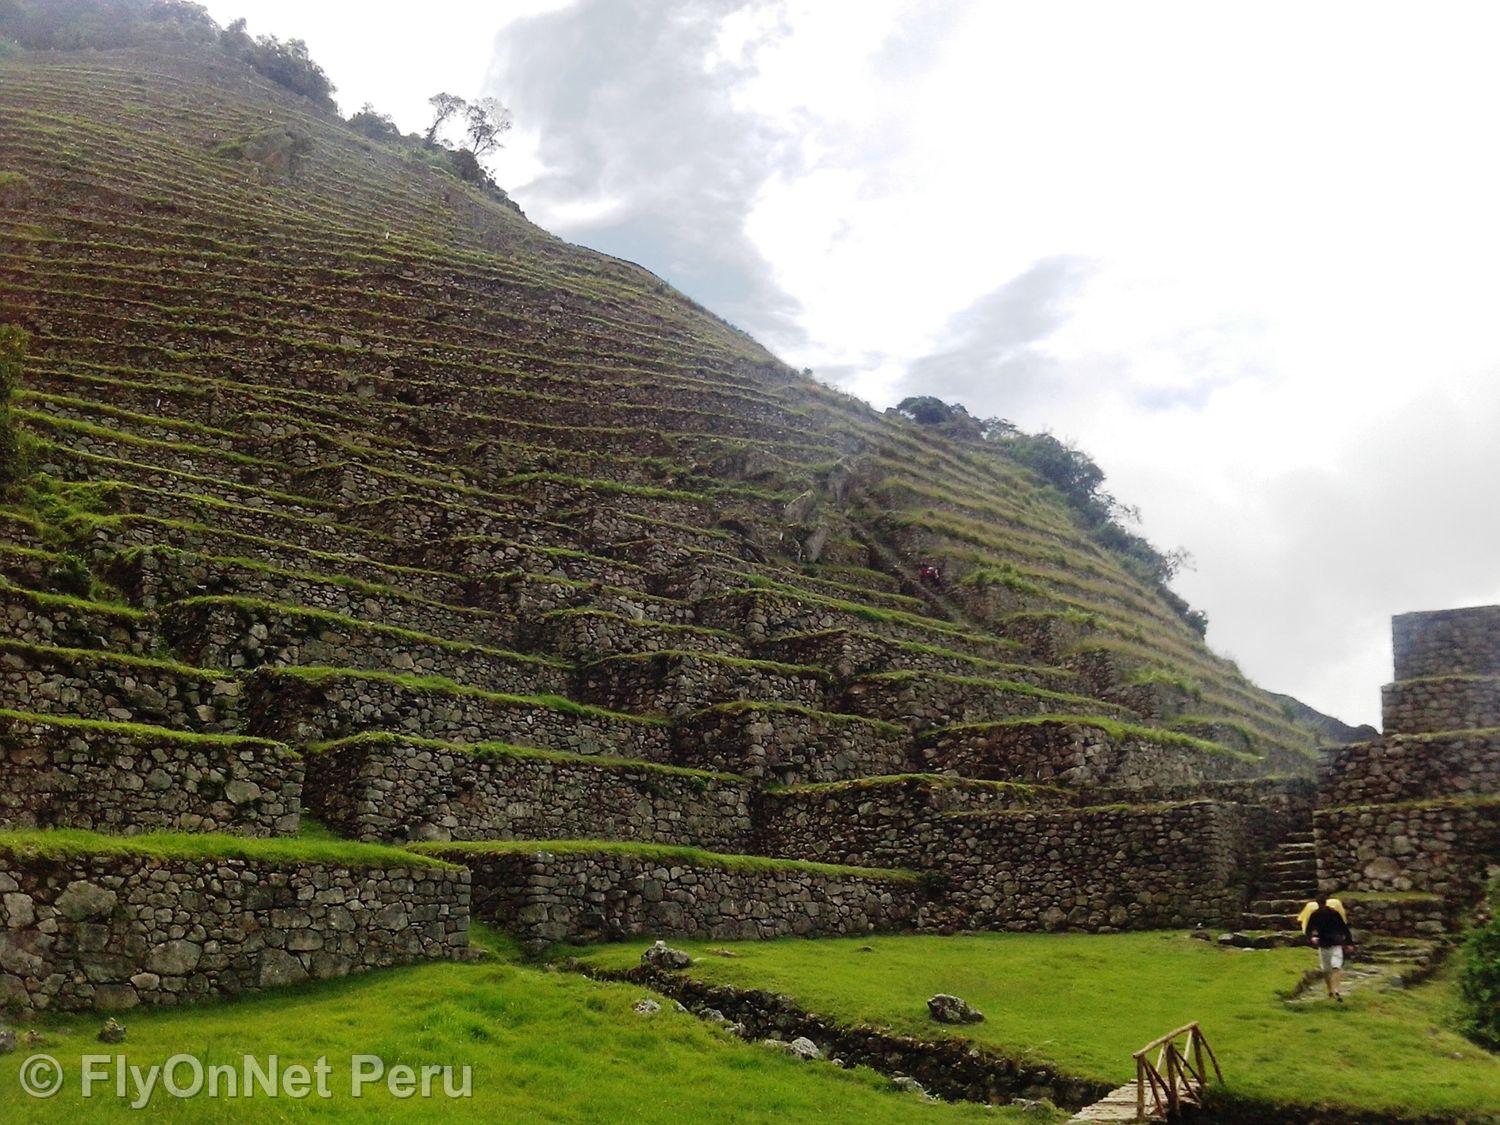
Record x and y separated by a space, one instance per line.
1479 977
286 63
370 122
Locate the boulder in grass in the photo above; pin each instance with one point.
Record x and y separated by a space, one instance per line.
662 956
950 1009
647 1007
112 1032
804 1048
7 1040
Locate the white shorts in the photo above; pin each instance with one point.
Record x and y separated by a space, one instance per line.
1331 957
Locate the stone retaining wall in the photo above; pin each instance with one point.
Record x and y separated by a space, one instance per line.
878 822
74 683
924 700
588 634
669 683
1442 703
1447 642
112 932
1438 847
1098 869
133 780
788 745
395 789
546 897
299 710
1411 768
25 616
1063 752
233 634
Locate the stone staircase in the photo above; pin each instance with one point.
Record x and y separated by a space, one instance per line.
1287 881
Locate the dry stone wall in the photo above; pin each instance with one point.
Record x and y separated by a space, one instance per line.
1411 768
610 896
1441 703
1096 869
1455 642
1440 847
788 745
1067 751
670 683
230 633
389 788
104 778
112 932
300 709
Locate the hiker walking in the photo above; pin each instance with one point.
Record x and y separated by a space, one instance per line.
1327 927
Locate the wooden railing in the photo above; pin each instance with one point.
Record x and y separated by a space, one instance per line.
1177 1077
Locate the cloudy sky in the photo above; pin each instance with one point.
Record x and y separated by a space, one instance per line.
1246 255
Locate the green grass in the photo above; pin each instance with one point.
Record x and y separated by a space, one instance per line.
696 857
511 750
543 1047
62 843
1112 727
1085 1002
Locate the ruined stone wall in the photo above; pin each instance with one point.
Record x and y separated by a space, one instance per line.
389 788
1439 847
115 931
1411 768
788 745
609 896
107 780
1097 869
1447 642
39 620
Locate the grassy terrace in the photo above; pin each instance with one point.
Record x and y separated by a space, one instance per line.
532 1038
1121 732
655 853
1084 1002
509 750
69 843
132 732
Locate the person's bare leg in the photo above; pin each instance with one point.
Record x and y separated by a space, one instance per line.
1335 979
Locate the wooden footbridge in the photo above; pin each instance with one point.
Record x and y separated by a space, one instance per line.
1171 1074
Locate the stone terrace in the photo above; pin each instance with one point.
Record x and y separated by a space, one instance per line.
353 491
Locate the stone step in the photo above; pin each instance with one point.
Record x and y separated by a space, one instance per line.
395 788
109 923
547 891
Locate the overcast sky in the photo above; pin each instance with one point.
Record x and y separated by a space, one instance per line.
1245 255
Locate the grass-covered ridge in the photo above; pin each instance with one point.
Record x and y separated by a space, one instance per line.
504 750
656 853
69 843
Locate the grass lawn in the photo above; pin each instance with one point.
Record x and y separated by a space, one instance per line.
544 1047
1085 1002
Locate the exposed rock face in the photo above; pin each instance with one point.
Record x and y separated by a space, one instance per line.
663 957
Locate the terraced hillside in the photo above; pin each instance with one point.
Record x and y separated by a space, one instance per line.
349 491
